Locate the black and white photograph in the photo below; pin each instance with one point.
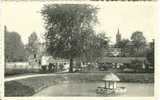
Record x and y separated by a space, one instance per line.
79 49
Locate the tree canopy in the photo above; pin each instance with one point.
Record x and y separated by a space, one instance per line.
138 38
123 45
150 53
32 46
99 43
14 48
139 43
69 30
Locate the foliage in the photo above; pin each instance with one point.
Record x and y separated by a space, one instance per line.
97 48
150 54
69 31
138 37
139 43
123 45
32 46
14 48
136 64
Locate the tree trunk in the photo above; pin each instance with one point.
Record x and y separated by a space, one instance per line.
71 66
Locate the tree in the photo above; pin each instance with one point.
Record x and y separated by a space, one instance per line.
136 65
69 30
150 53
96 48
32 46
14 48
100 44
139 43
123 46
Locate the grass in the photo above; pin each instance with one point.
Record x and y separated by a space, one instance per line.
137 77
18 89
30 86
19 71
16 68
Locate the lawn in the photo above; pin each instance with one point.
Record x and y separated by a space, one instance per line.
30 86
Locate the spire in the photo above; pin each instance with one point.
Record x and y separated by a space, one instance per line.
5 29
118 36
118 31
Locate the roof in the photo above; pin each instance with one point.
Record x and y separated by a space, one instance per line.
111 77
121 59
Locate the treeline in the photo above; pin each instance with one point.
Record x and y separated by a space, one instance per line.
14 47
15 50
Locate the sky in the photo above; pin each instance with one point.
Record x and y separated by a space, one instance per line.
25 18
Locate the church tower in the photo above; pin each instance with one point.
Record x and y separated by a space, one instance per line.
118 36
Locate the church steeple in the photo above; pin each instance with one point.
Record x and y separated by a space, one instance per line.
5 29
118 31
118 36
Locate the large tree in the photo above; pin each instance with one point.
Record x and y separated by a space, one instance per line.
14 48
139 43
69 29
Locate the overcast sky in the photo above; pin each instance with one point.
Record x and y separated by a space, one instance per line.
24 18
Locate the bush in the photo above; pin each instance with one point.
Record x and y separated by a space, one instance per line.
91 67
104 67
137 65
